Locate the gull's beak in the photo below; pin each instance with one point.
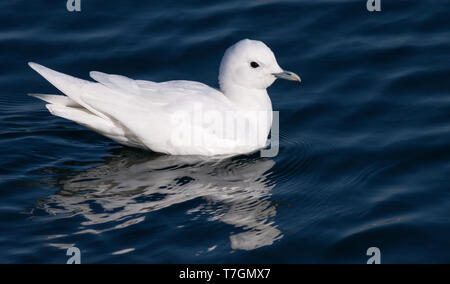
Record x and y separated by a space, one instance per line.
288 75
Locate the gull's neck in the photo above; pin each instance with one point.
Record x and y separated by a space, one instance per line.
253 104
245 99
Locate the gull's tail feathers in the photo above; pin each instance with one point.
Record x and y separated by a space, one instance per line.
73 107
72 87
56 100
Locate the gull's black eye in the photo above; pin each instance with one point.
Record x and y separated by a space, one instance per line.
254 64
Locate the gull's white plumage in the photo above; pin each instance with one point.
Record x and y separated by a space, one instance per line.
139 113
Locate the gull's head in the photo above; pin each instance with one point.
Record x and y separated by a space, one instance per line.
251 64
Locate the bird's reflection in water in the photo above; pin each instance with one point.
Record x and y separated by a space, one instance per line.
127 186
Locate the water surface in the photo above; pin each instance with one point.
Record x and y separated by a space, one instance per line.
364 158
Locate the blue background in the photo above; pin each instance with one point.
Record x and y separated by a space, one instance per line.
365 140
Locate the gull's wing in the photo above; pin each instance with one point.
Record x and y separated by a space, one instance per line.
149 110
165 93
137 112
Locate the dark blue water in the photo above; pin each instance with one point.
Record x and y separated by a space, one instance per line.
365 140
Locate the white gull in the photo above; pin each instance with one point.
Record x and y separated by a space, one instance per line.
177 117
